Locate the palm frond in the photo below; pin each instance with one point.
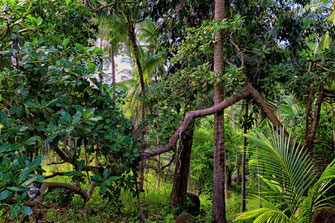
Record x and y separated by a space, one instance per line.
292 186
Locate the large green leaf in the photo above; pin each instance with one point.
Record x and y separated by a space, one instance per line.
5 194
26 210
32 140
15 209
23 175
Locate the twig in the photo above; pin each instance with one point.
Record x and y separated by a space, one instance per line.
238 50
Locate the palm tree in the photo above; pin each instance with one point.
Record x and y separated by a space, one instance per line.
113 31
293 192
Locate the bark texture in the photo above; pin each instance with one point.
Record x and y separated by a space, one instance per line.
236 148
180 179
312 133
219 207
308 113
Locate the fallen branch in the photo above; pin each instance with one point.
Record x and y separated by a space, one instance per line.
86 195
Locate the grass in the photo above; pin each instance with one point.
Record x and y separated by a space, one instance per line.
155 204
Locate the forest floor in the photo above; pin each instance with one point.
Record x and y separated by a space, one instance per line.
64 207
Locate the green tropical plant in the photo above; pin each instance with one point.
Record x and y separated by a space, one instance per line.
294 193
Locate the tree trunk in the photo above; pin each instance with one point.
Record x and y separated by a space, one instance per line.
180 179
317 109
308 112
258 167
236 148
333 126
159 156
113 70
244 154
219 207
226 175
132 36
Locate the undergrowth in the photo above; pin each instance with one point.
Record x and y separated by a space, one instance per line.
63 207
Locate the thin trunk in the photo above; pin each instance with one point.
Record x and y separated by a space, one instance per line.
158 171
189 186
333 126
258 167
113 70
236 148
219 207
132 36
179 188
317 109
244 155
277 107
308 112
147 169
157 141
226 175
139 201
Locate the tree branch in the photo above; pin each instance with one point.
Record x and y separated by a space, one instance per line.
190 116
75 189
248 90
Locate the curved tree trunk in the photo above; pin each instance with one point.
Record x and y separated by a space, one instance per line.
248 90
219 208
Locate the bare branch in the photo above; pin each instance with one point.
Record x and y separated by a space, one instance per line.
238 50
324 68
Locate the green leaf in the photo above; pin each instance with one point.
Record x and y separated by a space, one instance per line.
66 117
4 119
38 21
13 188
76 117
32 140
66 41
29 181
15 208
97 178
106 173
5 194
26 210
12 177
5 147
81 164
6 162
21 161
96 171
103 188
70 173
35 162
23 175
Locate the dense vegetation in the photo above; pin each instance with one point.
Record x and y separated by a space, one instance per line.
226 114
